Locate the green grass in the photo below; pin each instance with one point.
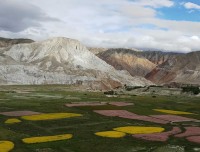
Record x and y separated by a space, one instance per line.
52 98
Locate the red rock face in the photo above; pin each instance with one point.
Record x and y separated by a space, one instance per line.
160 76
190 131
164 136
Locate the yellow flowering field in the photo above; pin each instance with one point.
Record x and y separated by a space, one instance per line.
173 112
6 146
111 134
50 116
139 130
42 139
12 121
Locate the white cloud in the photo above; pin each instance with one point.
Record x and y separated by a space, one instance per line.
190 5
138 11
19 15
114 23
155 3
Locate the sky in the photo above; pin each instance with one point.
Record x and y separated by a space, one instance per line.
167 25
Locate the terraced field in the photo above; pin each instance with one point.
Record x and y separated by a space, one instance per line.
62 119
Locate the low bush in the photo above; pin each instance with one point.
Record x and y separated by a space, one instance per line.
110 92
129 88
193 89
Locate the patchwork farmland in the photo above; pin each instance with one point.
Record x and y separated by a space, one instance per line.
61 119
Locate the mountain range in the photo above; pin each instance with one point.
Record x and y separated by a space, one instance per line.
60 61
159 67
66 61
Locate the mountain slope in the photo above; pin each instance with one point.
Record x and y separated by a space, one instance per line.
4 42
158 67
96 50
157 57
126 59
60 61
184 69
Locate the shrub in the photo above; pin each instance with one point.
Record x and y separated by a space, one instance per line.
193 89
110 92
129 88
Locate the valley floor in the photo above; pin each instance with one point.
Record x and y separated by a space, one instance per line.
90 119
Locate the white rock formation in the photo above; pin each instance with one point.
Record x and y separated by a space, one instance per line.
59 61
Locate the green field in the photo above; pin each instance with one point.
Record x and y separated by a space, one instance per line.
52 99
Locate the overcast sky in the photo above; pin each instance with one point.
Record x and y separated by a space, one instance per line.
150 24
